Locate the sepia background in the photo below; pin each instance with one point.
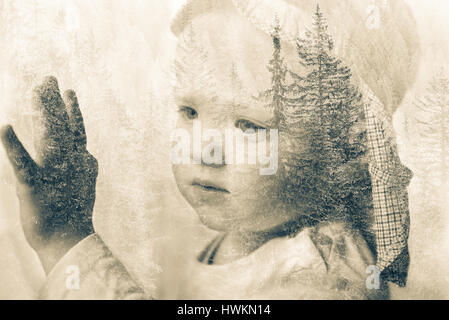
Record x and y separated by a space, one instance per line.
117 55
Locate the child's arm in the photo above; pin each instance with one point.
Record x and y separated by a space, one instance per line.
90 271
56 190
57 194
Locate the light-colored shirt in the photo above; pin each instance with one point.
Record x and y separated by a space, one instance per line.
89 271
329 261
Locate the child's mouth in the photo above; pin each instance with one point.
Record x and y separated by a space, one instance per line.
208 186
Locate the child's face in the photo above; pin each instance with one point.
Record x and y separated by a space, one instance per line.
221 69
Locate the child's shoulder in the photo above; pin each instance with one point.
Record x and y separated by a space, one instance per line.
338 262
338 243
333 241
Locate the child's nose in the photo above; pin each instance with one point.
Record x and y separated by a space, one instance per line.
210 147
219 160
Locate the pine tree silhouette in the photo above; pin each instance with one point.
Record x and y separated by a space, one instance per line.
326 94
316 114
432 122
278 91
194 71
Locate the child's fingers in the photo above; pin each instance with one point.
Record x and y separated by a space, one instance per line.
55 139
75 119
24 166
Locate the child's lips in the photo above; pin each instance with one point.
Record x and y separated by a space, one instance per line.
208 186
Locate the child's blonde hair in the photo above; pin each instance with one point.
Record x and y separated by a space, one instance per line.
377 39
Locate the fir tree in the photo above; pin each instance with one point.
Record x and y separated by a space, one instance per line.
317 112
278 91
279 105
432 122
326 94
193 71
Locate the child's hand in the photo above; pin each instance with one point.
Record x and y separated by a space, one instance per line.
57 189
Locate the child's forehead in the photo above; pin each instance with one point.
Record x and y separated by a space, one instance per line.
223 52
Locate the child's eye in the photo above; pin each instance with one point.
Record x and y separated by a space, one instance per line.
247 125
188 112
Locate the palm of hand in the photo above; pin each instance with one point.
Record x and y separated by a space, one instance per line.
56 190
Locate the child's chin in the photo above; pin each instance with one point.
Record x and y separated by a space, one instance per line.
214 221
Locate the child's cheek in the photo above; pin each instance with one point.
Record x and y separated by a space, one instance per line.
249 186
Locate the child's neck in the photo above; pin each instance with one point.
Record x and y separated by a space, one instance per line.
236 245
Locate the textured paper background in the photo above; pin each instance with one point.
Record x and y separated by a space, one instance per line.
116 54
